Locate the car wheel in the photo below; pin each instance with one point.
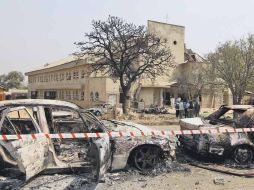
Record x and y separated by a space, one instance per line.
243 155
146 157
97 113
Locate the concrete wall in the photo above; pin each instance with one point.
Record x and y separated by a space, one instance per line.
147 94
174 35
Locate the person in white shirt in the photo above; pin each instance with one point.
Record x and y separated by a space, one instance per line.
181 109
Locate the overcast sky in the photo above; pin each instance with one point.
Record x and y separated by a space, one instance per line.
34 32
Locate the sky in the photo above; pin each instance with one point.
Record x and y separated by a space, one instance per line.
35 32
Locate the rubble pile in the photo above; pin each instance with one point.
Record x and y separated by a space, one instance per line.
73 151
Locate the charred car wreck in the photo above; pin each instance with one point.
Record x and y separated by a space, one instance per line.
238 146
98 155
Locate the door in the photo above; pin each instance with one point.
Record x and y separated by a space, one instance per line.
103 144
30 154
112 99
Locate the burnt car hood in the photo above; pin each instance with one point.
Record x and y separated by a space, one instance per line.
115 126
123 126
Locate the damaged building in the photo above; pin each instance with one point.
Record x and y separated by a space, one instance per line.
67 79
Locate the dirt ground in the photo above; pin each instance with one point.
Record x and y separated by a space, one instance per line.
196 179
191 178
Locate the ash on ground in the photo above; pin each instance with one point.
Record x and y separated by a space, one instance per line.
132 174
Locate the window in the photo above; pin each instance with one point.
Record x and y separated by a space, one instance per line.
68 95
75 95
82 95
82 74
96 98
34 94
41 78
67 121
50 95
61 94
68 75
61 76
18 122
75 74
91 97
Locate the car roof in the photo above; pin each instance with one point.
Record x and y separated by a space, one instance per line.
38 102
239 107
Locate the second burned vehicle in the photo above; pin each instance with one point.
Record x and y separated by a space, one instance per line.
238 146
98 155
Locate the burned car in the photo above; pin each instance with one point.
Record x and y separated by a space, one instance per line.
238 146
95 155
100 109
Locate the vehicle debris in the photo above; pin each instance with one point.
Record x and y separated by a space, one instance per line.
238 146
32 156
218 181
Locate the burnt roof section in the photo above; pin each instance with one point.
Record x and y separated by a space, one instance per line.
190 56
38 102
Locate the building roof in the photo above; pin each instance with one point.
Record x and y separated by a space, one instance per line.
59 62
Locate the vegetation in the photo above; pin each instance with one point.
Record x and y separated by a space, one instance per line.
13 79
232 64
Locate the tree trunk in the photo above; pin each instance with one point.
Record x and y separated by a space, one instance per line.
126 100
235 99
239 99
125 105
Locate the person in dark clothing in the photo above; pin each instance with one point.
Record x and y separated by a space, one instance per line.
196 109
190 111
177 109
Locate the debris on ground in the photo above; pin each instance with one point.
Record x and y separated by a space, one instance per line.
219 181
132 174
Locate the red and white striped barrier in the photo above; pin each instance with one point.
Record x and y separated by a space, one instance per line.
126 134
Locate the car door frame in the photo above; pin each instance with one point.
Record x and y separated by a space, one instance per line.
104 146
27 147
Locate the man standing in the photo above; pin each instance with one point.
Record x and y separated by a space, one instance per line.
196 108
181 109
172 102
177 109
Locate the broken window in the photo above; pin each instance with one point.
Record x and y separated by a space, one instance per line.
18 122
96 96
66 120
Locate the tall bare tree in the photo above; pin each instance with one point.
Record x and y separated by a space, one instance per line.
126 52
233 64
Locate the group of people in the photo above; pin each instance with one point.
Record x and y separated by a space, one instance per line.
187 108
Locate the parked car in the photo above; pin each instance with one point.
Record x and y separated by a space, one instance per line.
100 109
31 156
238 146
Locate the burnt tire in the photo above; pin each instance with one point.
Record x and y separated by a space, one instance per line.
243 155
146 157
